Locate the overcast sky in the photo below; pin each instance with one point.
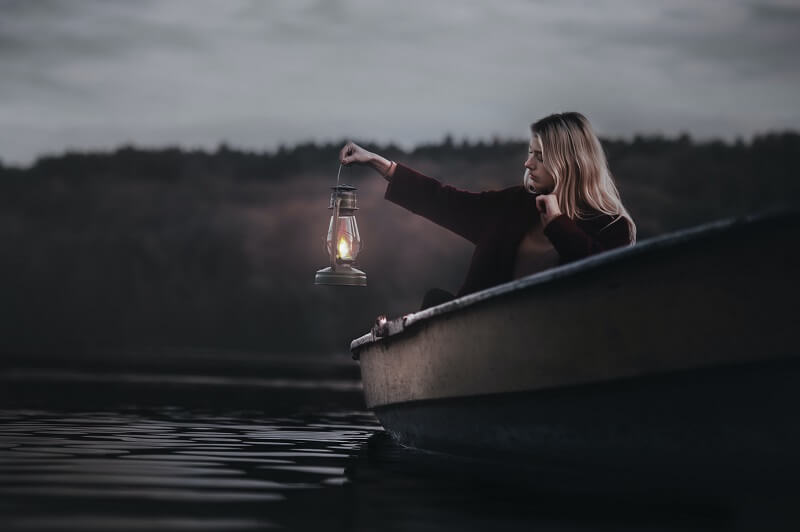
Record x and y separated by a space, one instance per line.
97 74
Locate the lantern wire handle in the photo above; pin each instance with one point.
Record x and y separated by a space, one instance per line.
335 219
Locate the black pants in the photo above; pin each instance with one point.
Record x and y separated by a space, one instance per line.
436 296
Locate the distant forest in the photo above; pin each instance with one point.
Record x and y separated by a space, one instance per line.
168 247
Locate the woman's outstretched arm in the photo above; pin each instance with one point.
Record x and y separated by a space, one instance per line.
465 213
352 153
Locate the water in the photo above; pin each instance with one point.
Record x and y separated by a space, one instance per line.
176 469
120 450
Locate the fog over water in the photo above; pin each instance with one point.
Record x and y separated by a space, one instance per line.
91 75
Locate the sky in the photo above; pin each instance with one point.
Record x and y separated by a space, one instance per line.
97 74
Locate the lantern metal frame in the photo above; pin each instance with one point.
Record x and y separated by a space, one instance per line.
343 198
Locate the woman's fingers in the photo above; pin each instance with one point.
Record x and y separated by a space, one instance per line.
548 208
546 203
348 153
345 152
541 204
351 153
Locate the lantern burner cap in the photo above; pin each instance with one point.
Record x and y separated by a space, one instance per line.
347 196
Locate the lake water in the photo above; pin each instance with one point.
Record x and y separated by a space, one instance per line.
285 445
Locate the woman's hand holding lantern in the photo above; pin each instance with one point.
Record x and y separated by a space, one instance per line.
352 153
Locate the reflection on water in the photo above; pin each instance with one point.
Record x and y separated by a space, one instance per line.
309 458
174 469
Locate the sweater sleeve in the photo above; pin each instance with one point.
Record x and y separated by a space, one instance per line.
464 213
573 243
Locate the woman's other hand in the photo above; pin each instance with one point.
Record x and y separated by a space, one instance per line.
352 153
547 204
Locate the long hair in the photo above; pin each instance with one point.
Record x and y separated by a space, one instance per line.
574 157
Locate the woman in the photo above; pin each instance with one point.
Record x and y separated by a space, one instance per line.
566 209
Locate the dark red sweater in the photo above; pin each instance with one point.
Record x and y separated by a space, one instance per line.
496 221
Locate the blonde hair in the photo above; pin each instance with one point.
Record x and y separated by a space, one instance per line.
574 157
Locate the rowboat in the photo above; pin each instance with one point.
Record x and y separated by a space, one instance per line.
681 349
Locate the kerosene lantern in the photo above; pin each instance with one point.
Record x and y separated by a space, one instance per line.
343 242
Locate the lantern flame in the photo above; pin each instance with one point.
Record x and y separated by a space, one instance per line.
344 249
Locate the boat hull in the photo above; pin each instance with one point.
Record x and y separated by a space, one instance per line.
706 420
719 298
679 348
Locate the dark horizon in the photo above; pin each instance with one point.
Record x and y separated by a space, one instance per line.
448 141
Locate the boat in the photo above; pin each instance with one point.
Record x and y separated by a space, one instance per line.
680 350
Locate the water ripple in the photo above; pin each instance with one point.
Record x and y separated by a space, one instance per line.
57 469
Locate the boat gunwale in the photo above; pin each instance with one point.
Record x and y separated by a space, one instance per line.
680 237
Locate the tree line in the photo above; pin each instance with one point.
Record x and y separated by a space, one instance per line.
173 247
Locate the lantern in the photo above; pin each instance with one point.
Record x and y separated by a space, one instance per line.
343 242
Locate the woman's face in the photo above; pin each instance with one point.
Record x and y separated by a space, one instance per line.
543 180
